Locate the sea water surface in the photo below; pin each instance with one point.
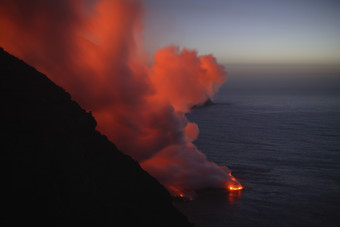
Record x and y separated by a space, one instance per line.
284 147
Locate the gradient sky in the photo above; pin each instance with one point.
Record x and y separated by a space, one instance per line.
248 31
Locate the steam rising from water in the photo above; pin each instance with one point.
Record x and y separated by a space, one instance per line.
95 53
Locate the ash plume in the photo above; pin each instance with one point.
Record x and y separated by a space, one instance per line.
94 50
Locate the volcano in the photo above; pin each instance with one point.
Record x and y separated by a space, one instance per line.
64 172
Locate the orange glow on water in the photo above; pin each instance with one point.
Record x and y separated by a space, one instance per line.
233 197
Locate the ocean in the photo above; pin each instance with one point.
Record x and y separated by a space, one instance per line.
283 145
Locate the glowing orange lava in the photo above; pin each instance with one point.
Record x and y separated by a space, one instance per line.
234 185
232 188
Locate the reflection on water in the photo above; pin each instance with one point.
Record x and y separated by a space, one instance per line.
233 197
211 207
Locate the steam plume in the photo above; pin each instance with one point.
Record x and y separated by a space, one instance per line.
94 51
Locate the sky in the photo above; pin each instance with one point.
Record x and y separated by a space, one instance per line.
248 31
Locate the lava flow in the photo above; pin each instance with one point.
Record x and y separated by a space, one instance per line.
232 188
234 185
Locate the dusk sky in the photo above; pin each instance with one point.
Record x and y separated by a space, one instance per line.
248 31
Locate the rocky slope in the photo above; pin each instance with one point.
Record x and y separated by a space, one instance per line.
64 172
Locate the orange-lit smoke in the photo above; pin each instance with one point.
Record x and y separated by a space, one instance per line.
93 50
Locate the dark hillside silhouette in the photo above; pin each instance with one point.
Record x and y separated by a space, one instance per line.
64 172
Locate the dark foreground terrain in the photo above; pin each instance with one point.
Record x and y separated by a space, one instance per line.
64 172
